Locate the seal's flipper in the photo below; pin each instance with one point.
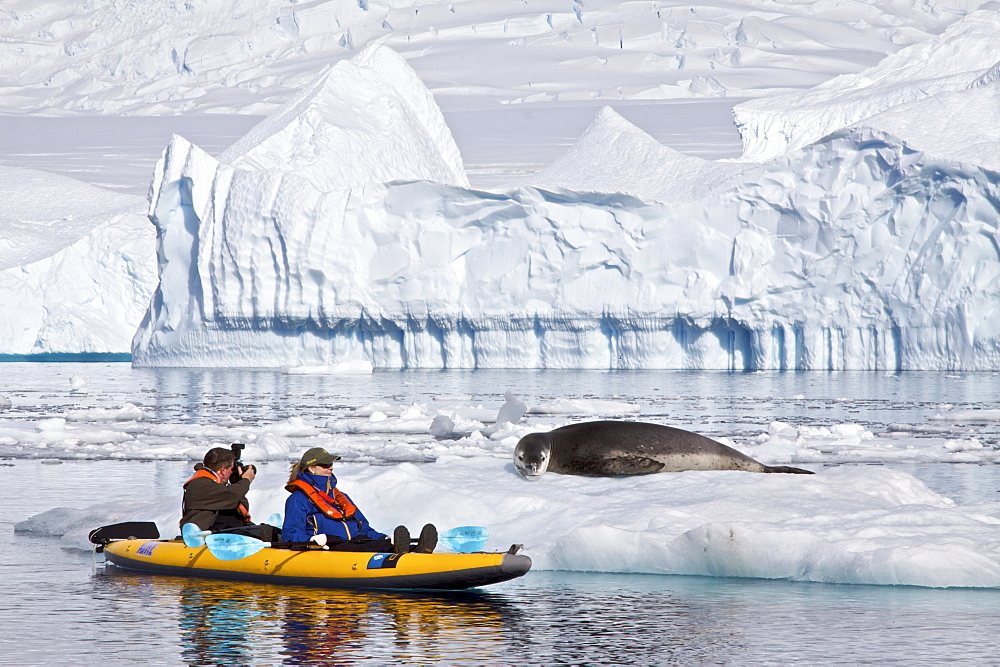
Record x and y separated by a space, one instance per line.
789 469
631 465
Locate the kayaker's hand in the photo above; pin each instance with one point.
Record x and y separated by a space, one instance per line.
319 539
249 472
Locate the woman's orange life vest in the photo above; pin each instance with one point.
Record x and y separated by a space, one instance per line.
339 507
208 474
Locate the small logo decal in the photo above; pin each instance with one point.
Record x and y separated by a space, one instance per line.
380 561
147 549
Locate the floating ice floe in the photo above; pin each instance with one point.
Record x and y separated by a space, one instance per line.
850 525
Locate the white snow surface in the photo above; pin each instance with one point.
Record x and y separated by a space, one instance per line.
150 57
963 56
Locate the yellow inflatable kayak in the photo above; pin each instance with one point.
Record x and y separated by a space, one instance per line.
329 569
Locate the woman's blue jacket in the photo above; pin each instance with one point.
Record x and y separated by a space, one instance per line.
303 519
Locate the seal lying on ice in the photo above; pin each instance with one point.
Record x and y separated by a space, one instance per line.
610 448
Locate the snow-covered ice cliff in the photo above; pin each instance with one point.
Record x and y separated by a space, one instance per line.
74 265
963 56
858 251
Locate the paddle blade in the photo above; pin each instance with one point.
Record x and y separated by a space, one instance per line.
227 546
193 536
138 530
464 539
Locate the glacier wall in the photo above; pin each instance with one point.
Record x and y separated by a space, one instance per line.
855 252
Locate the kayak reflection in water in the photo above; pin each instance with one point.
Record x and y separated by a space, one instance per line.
317 511
215 623
241 623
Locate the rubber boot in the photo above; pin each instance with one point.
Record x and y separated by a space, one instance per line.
427 541
401 540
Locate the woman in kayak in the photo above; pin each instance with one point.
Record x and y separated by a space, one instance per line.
317 511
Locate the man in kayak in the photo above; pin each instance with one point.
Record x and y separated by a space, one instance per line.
317 511
213 502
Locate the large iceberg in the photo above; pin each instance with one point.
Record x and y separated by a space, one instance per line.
858 251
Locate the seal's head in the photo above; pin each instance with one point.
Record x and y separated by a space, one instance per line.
531 455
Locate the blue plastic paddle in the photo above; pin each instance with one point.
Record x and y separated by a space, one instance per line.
229 546
464 539
194 536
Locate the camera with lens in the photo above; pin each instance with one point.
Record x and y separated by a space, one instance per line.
238 467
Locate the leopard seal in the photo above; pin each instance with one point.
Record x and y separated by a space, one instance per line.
613 448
